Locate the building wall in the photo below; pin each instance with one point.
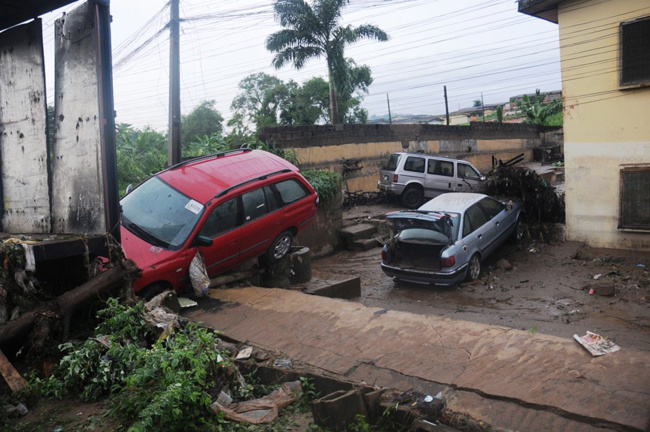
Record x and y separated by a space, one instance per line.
334 147
604 126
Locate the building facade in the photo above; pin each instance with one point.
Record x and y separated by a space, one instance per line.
605 54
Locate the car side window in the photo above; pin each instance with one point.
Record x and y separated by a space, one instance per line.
473 220
467 172
414 164
254 203
224 218
491 207
441 168
291 190
271 200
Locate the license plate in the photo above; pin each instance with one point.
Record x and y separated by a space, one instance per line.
385 177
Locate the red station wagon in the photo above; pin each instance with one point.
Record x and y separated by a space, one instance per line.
232 206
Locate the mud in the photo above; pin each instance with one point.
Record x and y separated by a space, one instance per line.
546 291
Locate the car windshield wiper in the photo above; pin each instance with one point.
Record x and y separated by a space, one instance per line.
140 232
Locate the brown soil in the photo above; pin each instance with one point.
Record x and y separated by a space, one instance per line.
547 291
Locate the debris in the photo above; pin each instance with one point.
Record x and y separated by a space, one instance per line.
224 399
233 277
186 303
244 354
504 265
10 374
591 291
14 410
605 290
597 276
640 265
282 363
533 250
596 344
199 275
263 410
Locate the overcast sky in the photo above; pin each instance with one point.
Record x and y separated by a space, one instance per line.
472 46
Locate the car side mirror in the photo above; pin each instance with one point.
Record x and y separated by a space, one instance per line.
203 241
129 188
482 178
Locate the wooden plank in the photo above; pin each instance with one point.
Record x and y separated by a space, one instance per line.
10 374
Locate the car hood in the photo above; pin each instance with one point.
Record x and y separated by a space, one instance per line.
434 221
144 254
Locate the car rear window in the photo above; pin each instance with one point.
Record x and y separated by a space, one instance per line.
291 190
392 162
414 164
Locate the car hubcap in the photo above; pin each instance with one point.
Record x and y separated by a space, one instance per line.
474 268
282 247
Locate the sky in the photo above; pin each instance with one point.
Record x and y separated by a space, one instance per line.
474 47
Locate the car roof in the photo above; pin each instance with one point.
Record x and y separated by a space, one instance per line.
453 202
204 178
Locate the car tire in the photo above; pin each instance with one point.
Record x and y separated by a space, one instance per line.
518 233
412 198
280 247
151 291
473 268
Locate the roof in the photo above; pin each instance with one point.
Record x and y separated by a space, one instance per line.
453 202
17 11
544 9
203 179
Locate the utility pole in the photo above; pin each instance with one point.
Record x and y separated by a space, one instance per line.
174 147
483 107
390 118
446 106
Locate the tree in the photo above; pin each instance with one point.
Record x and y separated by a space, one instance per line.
204 120
478 103
312 31
536 112
500 114
260 99
140 153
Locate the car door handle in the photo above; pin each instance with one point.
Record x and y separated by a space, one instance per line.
449 185
460 184
497 224
480 236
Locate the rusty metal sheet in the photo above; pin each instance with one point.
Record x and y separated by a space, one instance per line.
77 173
23 139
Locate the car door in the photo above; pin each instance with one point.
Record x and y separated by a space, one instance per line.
439 177
297 202
495 213
222 226
467 178
475 228
262 221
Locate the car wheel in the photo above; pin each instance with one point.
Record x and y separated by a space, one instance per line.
474 268
518 233
280 247
412 198
151 291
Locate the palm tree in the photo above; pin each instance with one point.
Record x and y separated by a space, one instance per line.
312 31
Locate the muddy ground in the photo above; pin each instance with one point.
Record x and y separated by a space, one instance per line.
546 291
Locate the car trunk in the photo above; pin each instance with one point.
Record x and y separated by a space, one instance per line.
388 169
414 255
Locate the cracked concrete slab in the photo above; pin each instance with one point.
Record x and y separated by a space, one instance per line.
547 373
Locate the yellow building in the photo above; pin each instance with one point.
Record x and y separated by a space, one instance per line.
605 53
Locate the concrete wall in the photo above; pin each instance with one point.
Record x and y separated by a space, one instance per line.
605 126
331 147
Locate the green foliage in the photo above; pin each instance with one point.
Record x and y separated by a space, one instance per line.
536 112
326 183
203 121
260 99
499 114
140 153
162 387
478 103
312 31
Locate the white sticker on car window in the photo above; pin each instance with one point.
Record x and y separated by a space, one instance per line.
194 206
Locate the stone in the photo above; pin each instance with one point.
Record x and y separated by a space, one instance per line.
504 265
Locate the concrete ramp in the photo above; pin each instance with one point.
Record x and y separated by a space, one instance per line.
509 378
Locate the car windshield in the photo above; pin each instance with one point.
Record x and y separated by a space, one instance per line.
428 228
160 214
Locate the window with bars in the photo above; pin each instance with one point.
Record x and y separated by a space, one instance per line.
635 51
635 197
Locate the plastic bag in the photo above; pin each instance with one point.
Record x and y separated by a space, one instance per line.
199 275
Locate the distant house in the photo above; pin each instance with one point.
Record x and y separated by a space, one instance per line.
409 119
516 101
605 51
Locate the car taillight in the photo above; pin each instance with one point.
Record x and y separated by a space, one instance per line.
383 255
395 176
448 262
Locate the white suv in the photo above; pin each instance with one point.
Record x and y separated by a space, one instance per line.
416 176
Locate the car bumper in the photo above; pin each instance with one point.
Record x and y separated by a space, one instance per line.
390 188
425 277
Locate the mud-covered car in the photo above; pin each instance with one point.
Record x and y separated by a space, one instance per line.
444 241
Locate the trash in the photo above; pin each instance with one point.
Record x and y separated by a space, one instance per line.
199 275
282 363
15 410
224 399
533 250
186 303
596 344
597 276
640 265
244 354
428 398
263 410
591 291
